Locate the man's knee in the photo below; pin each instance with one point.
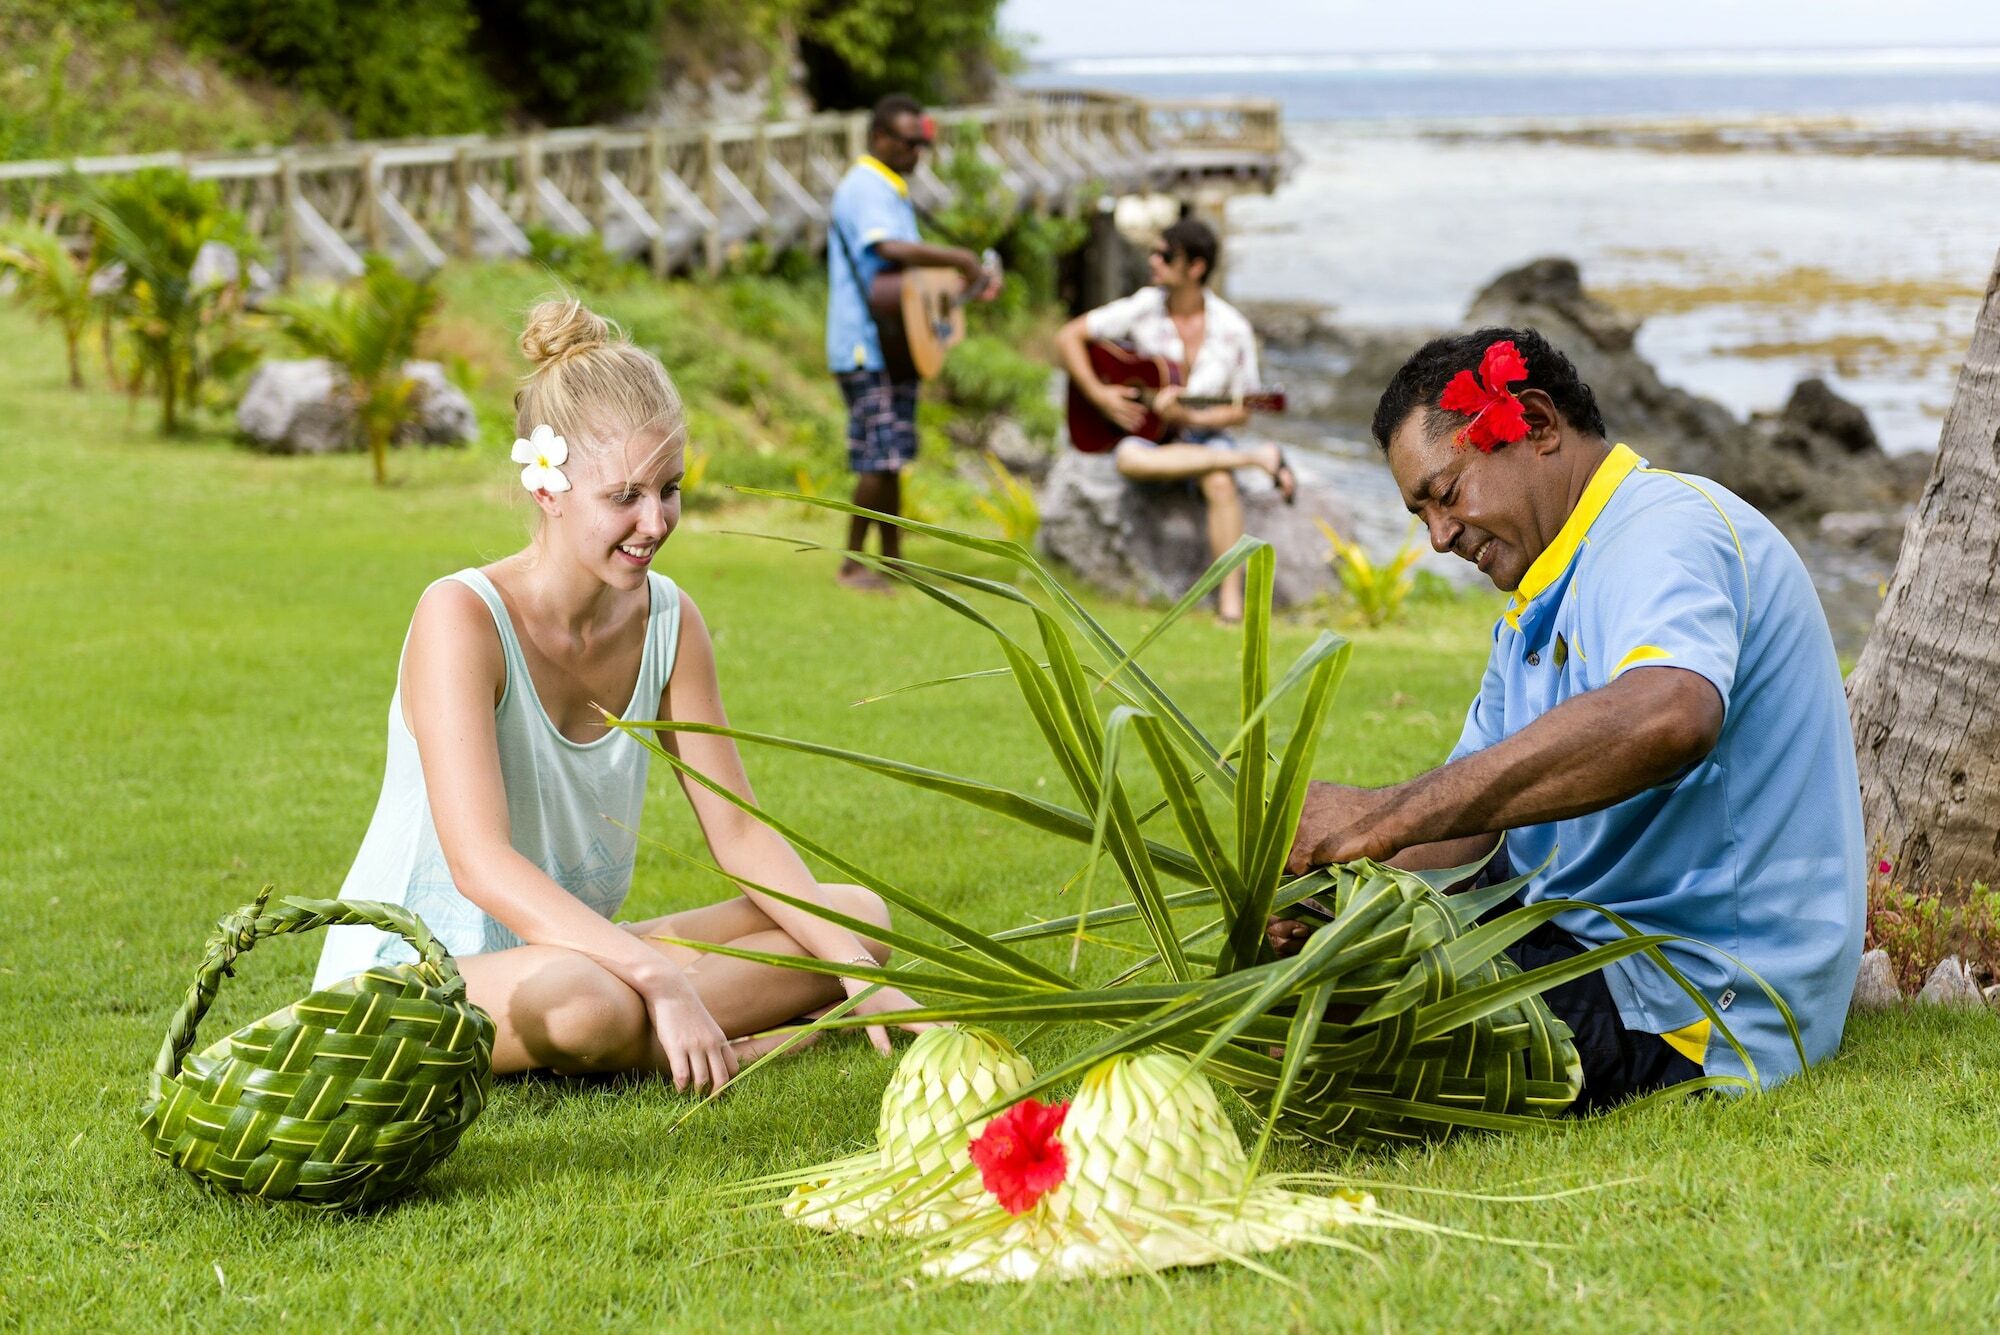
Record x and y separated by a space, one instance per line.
1126 455
575 1016
1219 485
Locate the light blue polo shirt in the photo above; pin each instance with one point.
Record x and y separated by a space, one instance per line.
871 204
1758 849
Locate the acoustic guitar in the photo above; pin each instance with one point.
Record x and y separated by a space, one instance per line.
919 315
1120 367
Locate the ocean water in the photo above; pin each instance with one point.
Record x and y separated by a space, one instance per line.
1420 178
1573 84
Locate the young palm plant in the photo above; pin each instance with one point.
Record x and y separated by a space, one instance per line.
1401 1018
54 283
369 329
183 327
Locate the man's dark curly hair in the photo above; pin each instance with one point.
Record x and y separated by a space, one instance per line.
1430 368
892 105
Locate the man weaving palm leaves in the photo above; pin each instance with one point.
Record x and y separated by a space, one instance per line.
1661 723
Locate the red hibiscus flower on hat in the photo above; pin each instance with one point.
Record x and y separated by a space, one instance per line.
1020 1159
1495 412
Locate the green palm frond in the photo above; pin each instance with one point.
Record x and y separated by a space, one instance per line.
1402 1017
368 328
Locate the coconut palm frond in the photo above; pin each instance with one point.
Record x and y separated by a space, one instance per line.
1402 1018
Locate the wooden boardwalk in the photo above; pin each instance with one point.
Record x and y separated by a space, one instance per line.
681 195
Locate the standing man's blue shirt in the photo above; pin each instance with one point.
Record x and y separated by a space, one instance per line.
871 205
1758 850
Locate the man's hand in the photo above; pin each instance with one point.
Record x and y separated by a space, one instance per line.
1338 824
1286 936
1117 403
1167 406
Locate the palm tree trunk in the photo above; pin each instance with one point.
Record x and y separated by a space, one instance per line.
1923 698
70 340
169 387
378 446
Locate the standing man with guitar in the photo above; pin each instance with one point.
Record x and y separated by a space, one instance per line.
1179 320
874 228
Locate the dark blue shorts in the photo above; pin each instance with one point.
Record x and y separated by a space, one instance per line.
1618 1063
881 421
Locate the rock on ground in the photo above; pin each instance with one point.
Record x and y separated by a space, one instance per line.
1875 986
1007 441
1151 542
1950 985
301 407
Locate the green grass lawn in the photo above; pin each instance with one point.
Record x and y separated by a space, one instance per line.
197 647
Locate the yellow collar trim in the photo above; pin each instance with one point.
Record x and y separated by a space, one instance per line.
1558 555
889 173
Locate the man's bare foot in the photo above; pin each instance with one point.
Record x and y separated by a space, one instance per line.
856 576
1274 462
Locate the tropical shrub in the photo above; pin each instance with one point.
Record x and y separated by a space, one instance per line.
984 213
391 67
988 374
369 328
570 62
856 50
1401 1017
53 281
1919 926
579 261
1011 506
181 316
1377 591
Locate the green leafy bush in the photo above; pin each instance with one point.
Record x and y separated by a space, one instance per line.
1919 926
1377 591
988 374
579 261
53 282
571 62
392 67
182 327
984 213
857 50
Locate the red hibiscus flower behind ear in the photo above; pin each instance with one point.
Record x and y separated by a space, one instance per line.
1495 412
1020 1159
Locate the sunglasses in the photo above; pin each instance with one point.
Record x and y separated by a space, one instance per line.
925 137
1165 255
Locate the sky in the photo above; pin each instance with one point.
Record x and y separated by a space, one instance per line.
1171 27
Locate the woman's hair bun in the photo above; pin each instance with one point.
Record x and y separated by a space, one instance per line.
556 329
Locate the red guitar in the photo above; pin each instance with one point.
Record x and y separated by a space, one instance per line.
1094 433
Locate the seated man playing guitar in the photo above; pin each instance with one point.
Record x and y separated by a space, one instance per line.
1179 320
873 228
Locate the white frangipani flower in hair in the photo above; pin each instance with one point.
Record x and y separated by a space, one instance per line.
544 453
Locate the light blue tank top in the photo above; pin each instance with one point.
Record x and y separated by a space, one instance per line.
572 807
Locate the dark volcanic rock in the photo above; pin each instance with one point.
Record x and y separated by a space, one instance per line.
1794 465
1151 542
1815 410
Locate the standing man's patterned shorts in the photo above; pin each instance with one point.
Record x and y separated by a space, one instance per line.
881 421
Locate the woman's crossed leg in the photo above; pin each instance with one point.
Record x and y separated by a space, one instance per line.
559 1010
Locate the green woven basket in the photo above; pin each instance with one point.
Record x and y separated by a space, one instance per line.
341 1100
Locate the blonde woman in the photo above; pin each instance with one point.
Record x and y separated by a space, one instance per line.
508 810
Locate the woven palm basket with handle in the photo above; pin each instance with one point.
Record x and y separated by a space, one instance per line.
341 1100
